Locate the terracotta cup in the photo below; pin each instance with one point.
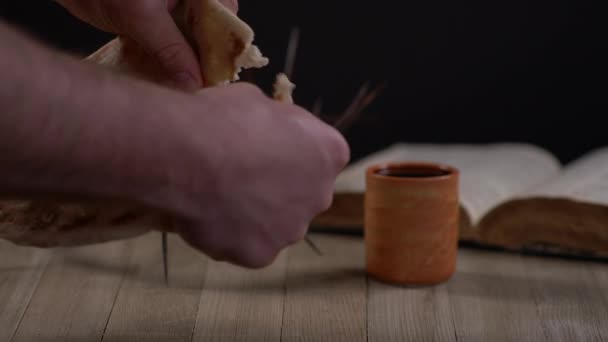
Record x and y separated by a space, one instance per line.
411 222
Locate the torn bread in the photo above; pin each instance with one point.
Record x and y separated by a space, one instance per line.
46 223
283 89
222 41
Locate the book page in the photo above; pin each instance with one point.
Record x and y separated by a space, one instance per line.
563 216
585 179
489 174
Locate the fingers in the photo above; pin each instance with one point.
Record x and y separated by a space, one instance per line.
333 141
164 41
154 29
150 24
252 249
339 149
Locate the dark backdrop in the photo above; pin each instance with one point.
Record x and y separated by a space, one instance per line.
458 71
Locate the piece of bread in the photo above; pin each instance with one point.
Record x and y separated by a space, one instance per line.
283 89
54 223
222 41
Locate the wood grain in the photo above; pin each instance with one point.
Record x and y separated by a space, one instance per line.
599 272
569 300
146 309
397 313
239 304
491 299
75 295
116 292
20 271
326 295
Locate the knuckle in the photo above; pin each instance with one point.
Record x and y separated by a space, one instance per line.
252 251
326 202
256 259
323 201
220 252
170 53
340 150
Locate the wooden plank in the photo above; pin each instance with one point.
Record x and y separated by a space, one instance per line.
397 313
148 310
20 271
491 299
600 284
326 295
75 295
239 304
569 300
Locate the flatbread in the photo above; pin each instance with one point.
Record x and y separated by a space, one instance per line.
47 223
222 41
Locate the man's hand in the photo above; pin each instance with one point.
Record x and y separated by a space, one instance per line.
243 173
249 176
149 24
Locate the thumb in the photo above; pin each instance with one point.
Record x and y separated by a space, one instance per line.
158 34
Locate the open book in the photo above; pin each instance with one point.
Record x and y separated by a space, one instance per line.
513 196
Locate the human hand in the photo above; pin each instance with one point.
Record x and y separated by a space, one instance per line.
240 174
149 24
243 173
248 177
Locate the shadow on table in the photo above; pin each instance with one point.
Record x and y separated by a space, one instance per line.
304 280
336 277
97 265
551 284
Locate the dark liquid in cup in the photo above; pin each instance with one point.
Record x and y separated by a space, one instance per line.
412 172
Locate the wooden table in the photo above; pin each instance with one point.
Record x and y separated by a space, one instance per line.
116 292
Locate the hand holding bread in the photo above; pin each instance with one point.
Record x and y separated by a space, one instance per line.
235 173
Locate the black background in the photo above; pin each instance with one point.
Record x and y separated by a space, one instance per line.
458 71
